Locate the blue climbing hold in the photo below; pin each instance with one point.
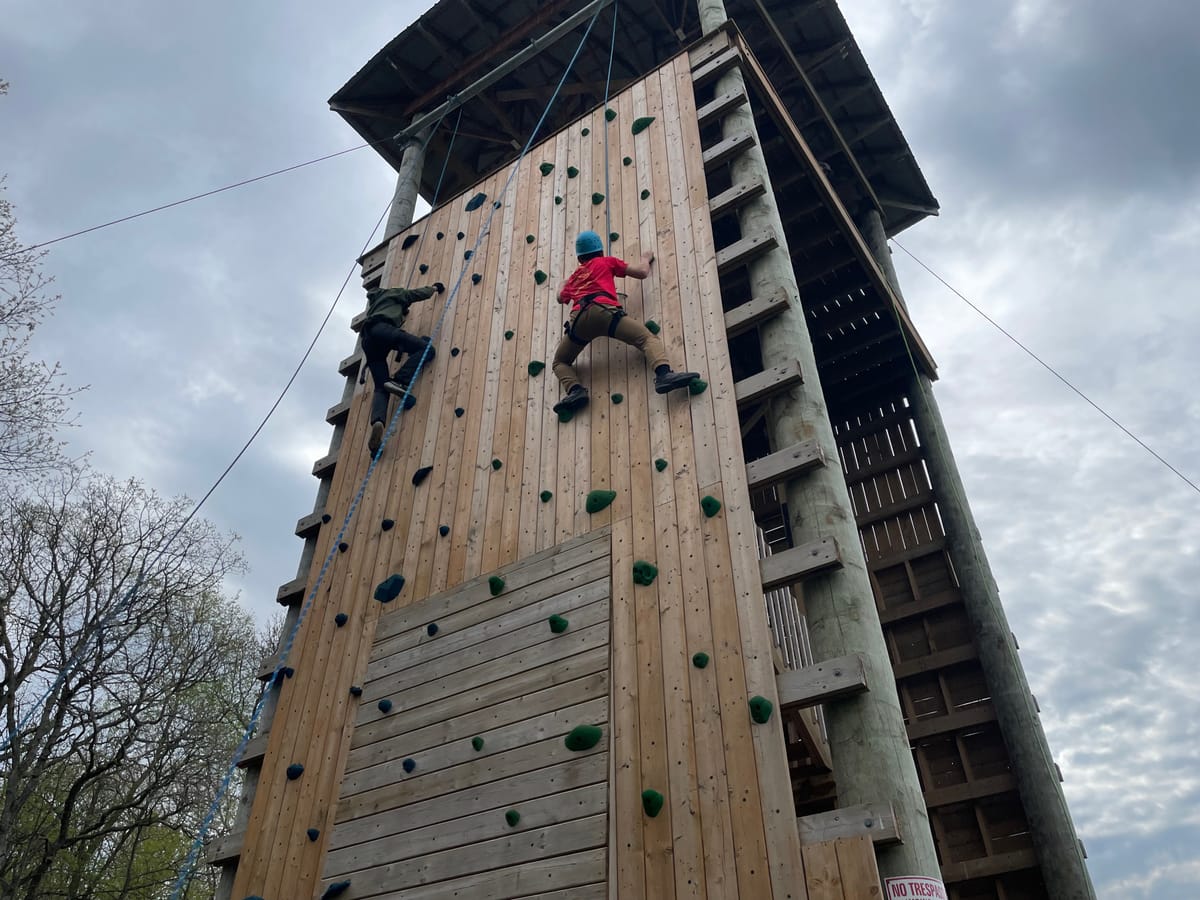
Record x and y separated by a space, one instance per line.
336 889
385 705
431 629
341 619
294 771
443 530
409 765
475 202
313 833
355 690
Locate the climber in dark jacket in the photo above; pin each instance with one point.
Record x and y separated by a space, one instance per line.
382 332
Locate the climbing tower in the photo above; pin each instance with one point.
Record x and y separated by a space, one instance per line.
738 641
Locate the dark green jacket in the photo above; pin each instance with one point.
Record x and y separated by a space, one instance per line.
391 305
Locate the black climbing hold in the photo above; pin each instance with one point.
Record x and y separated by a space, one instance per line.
558 624
710 504
440 235
586 132
700 660
454 351
476 278
645 193
460 235
355 690
495 584
496 205
529 238
583 737
540 277
326 518
546 168
294 771
467 254
536 366
313 833
421 474
609 115
422 268
387 524
458 412
627 161
336 889
477 743
558 201
572 171
409 765
282 673
512 817
508 335
409 241
343 547
389 589
546 496
618 398
653 327
660 464
597 199
598 500
760 709
341 619
641 124
443 530
613 237
698 386
477 201
496 464
652 802
431 629
644 573
385 705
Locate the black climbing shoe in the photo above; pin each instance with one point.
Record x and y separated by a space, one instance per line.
577 399
375 438
397 388
671 381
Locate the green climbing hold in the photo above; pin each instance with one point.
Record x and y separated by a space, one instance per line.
641 124
572 171
558 201
496 464
618 398
536 366
700 660
385 705
340 619
583 737
546 496
508 335
529 238
613 237
476 278
458 412
627 161
698 386
597 199
294 771
546 168
760 709
609 115
422 268
477 201
566 415
645 193
409 764
586 132
711 505
313 833
421 474
443 530
512 817
644 573
558 624
598 500
495 584
661 464
652 802
336 889
389 590
653 327
540 277
477 743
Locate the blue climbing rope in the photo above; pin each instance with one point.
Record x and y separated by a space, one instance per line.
193 854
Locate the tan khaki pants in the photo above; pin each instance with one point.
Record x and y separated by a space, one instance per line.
595 321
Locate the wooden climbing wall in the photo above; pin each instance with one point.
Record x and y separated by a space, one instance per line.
485 426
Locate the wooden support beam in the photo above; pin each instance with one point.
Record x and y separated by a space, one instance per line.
989 866
791 566
885 464
349 365
937 545
784 465
356 322
822 682
739 253
765 384
727 149
754 312
291 593
255 752
735 198
965 718
716 67
971 790
895 508
308 526
225 850
718 107
876 820
323 467
943 659
712 46
843 310
339 412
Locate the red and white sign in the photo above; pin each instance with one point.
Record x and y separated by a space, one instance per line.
914 887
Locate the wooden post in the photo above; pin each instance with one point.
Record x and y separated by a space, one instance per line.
408 185
868 742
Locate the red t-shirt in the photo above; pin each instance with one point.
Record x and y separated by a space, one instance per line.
594 277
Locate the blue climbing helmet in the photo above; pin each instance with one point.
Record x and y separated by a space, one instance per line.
588 242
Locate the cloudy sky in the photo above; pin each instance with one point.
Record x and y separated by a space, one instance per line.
1060 137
